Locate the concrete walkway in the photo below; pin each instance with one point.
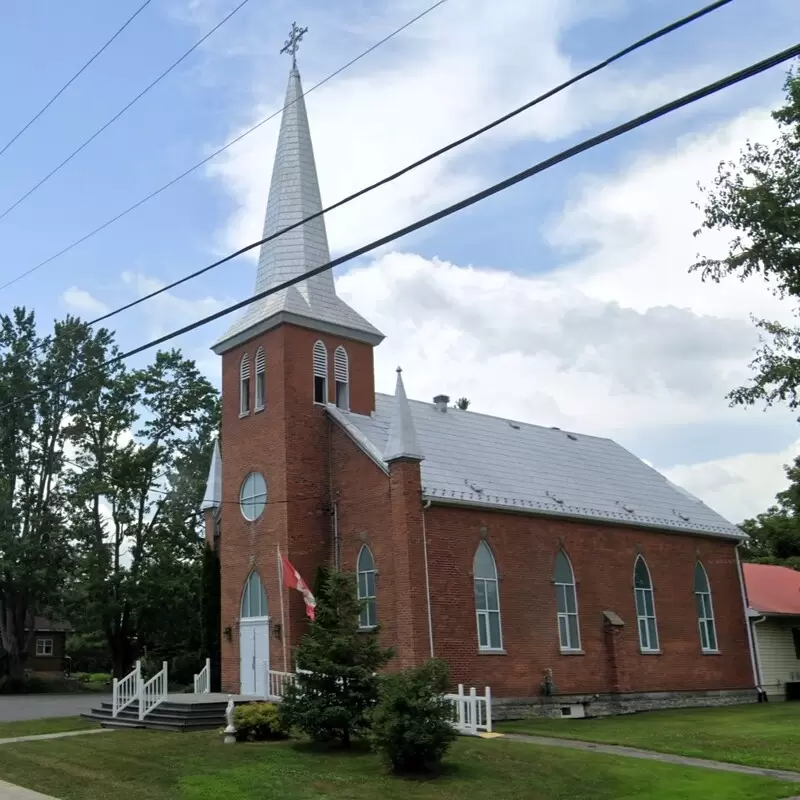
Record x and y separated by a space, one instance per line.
10 792
650 755
35 737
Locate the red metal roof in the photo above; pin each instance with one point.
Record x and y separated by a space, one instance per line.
772 590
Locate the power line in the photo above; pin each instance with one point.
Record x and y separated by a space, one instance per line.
120 112
561 87
74 77
564 155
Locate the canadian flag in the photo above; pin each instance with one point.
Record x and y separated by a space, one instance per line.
292 579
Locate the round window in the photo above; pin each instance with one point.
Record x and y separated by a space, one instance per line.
253 496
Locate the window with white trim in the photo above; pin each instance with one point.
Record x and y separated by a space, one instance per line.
341 374
705 609
253 496
261 383
44 647
254 598
569 637
645 607
366 589
487 599
320 373
244 385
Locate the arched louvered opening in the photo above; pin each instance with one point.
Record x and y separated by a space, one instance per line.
341 374
244 385
645 606
705 610
366 588
261 381
569 635
320 373
487 599
254 598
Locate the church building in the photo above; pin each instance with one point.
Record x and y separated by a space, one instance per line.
553 566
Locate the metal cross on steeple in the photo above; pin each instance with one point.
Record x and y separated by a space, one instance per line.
293 42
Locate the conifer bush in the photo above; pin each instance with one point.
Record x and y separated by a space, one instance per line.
258 722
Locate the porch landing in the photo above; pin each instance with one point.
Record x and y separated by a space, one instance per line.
179 712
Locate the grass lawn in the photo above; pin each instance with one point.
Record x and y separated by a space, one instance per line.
765 735
31 727
148 765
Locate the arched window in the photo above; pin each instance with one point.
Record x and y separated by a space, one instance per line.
244 385
261 384
320 373
569 636
366 589
705 610
645 607
254 598
341 374
487 599
253 496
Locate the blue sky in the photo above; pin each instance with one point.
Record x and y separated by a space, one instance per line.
564 244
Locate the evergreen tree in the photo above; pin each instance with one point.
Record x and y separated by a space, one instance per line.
338 688
211 613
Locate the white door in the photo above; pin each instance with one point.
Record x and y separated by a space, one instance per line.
254 656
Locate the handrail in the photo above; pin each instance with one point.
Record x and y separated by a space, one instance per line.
202 681
154 692
126 691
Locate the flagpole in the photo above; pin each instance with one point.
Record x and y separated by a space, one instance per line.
283 612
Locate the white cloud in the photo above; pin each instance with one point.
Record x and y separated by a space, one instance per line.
738 487
80 301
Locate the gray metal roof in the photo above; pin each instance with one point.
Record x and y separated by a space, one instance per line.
293 196
489 461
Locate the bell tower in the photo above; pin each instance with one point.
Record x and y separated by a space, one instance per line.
288 356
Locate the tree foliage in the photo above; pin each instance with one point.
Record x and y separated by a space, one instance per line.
758 198
338 688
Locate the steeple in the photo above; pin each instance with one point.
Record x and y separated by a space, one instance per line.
402 441
293 196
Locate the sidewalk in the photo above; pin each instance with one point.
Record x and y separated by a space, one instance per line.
668 758
10 792
35 737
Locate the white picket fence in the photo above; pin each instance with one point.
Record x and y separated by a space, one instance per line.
133 688
277 683
202 681
472 712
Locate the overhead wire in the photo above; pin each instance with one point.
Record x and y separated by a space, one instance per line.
116 116
564 155
75 77
702 12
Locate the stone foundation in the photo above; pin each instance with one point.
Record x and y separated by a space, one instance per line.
603 705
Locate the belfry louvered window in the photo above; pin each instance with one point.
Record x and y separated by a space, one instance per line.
244 385
341 374
320 373
261 385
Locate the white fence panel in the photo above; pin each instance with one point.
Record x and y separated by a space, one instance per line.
472 712
126 691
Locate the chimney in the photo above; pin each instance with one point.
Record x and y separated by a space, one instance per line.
441 401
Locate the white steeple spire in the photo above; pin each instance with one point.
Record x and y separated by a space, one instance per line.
213 496
293 196
402 441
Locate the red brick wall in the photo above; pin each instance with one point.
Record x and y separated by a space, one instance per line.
287 443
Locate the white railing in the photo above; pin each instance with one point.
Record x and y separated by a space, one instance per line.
202 681
126 691
154 692
278 681
471 712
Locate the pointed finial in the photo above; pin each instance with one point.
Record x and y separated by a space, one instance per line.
402 441
293 42
399 370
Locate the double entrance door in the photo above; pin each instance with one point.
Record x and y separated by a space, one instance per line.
254 656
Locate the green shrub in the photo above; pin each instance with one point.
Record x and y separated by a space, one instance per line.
81 677
258 722
412 723
99 677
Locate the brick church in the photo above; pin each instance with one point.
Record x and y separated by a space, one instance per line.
553 566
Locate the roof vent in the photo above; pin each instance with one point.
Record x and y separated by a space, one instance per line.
514 425
477 488
555 497
629 508
685 517
572 436
441 401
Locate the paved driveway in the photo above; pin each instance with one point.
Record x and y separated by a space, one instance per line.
37 706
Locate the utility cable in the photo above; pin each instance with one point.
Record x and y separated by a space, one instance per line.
561 87
564 155
74 77
120 113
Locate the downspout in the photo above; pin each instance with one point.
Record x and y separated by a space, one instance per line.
762 692
336 533
427 576
753 657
